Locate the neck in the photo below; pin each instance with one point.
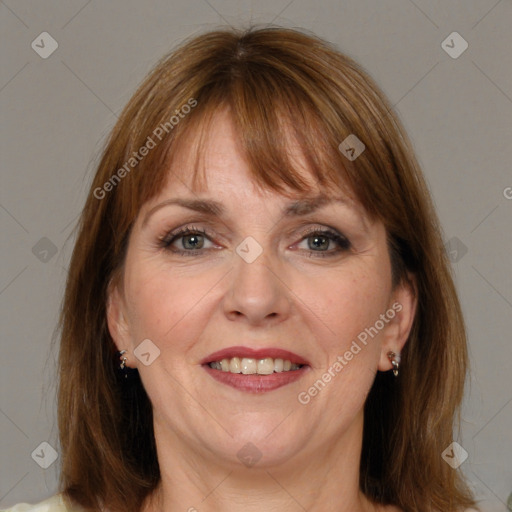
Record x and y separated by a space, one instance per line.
323 478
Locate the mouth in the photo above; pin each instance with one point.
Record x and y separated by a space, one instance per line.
255 371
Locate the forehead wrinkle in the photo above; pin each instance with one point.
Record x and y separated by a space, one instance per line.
308 205
212 208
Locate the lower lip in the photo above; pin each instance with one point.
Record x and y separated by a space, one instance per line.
257 383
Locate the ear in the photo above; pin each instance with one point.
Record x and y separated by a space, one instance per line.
402 310
116 318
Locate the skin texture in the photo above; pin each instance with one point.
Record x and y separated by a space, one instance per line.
290 298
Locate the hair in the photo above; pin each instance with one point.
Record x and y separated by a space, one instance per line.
280 85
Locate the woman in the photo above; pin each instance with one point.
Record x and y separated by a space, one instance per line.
259 313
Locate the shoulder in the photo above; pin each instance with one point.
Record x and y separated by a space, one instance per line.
54 504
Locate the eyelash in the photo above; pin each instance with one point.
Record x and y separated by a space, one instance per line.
343 242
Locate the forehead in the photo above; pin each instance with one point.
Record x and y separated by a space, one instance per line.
211 158
227 178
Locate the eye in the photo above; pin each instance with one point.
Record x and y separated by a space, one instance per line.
188 241
319 241
193 241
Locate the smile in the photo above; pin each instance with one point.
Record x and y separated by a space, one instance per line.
255 371
250 366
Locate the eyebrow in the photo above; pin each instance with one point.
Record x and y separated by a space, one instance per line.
213 208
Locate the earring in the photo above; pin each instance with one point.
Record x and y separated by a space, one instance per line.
130 374
395 361
123 362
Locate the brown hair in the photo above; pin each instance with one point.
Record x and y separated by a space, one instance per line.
277 84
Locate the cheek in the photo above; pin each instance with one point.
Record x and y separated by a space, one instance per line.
166 304
351 345
347 305
150 300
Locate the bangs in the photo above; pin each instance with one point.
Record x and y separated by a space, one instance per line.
275 122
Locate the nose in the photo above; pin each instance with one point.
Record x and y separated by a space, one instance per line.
257 294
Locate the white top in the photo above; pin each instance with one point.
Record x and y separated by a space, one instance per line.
53 504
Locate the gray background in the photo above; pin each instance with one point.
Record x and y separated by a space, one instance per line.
57 112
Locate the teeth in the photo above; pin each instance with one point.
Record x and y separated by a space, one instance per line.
251 366
266 366
234 365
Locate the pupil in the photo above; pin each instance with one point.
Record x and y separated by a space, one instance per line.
192 242
320 242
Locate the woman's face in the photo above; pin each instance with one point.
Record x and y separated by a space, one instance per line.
263 278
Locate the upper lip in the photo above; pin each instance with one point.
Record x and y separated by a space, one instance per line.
260 353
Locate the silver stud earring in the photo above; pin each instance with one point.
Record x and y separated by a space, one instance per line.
395 362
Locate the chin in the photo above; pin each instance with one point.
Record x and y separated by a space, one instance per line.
259 441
